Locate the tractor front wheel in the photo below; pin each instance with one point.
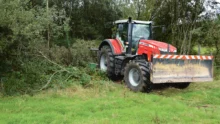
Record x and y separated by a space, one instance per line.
137 76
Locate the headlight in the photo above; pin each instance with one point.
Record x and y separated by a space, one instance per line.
148 45
163 49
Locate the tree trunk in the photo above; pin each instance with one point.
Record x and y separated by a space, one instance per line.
48 27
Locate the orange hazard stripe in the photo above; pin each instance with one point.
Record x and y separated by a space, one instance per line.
183 57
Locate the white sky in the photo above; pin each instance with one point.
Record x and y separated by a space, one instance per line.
210 10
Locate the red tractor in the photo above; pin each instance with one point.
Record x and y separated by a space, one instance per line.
144 62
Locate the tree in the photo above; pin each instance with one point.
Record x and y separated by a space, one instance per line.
22 28
208 35
88 18
180 18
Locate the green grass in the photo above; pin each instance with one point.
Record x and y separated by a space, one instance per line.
107 103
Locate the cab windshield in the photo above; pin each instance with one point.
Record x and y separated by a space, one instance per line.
141 31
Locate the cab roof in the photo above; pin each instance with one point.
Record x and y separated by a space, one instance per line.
134 21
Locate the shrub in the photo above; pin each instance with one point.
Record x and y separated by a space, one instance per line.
57 67
78 54
31 76
81 52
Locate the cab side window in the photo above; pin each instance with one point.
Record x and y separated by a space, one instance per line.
122 32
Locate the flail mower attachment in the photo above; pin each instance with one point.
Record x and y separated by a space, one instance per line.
181 68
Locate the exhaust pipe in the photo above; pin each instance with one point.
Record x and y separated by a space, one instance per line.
130 28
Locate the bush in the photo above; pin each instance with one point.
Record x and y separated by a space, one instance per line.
81 52
32 76
78 54
40 74
57 67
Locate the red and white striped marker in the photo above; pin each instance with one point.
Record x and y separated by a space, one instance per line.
183 57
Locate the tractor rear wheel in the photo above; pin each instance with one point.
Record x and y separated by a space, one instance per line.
137 76
106 62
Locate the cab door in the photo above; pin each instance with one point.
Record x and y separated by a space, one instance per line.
121 34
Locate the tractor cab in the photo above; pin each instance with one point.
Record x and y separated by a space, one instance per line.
137 30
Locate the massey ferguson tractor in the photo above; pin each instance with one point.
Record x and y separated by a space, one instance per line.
143 62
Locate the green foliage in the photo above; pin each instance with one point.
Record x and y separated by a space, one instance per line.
78 54
96 74
217 72
208 35
23 30
26 25
40 74
52 68
32 76
88 17
81 52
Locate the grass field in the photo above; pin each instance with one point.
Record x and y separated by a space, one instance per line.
110 103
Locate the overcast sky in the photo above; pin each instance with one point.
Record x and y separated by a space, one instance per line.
211 10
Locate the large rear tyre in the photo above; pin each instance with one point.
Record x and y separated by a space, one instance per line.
137 76
106 62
